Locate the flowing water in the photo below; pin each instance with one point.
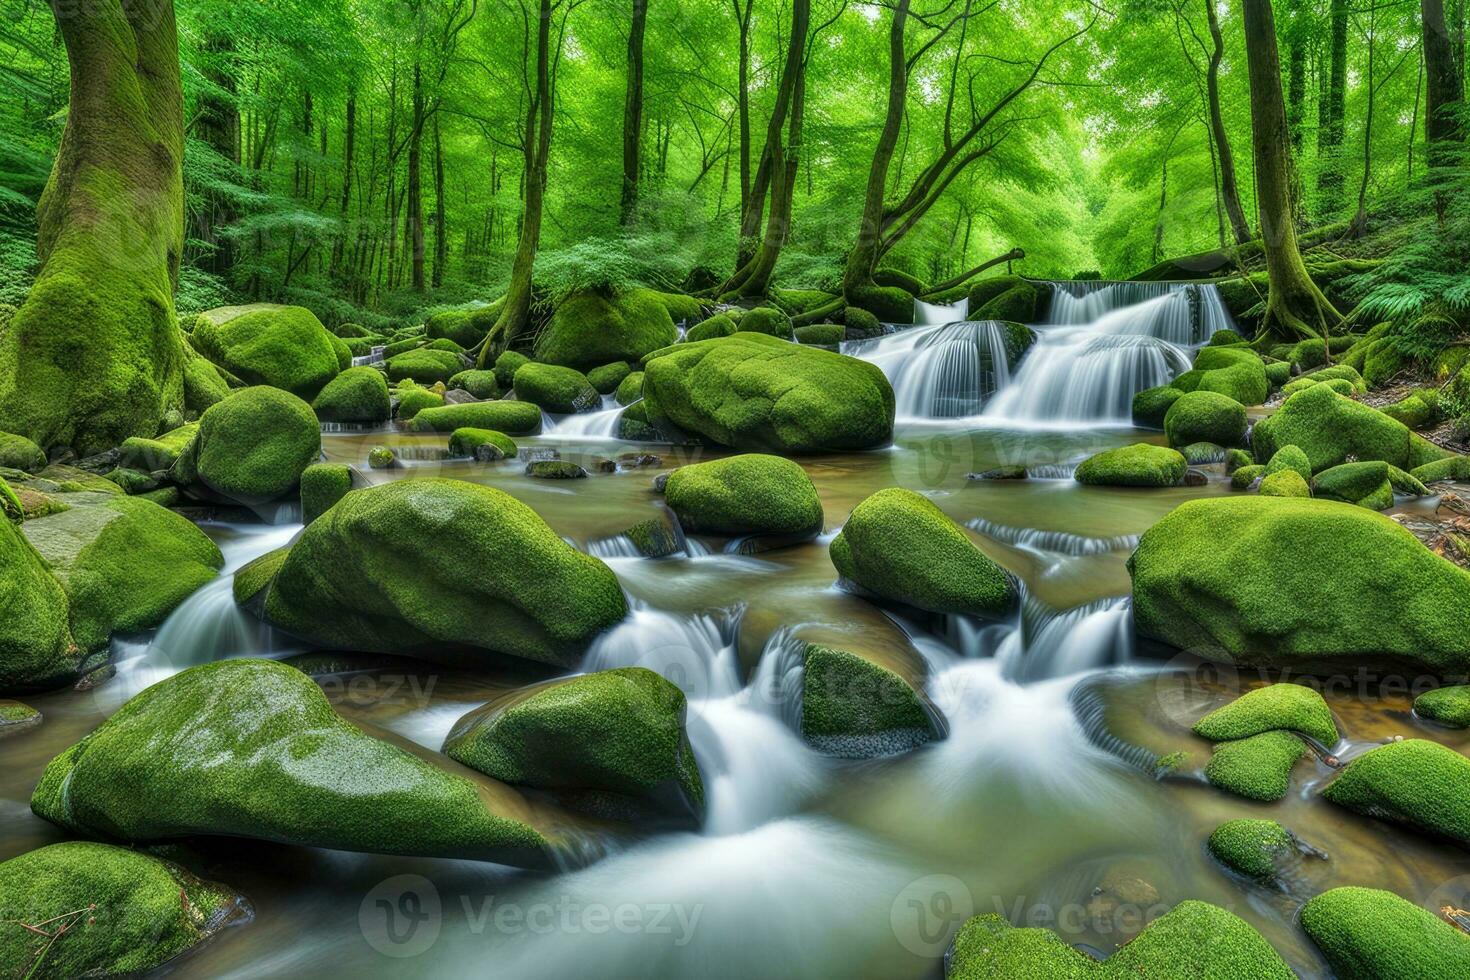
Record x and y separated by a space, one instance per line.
1036 804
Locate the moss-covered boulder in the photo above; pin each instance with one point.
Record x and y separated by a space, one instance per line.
898 545
465 327
1366 484
1278 373
488 575
589 328
115 912
1418 410
1254 848
1329 428
608 377
890 304
767 320
1367 934
513 418
424 366
124 562
630 389
1258 767
1236 458
251 448
19 453
1203 453
1205 416
612 742
1290 458
204 383
1449 706
1141 465
36 648
821 334
1417 783
1296 583
252 748
752 391
1288 707
1451 468
1287 483
749 494
559 390
854 708
322 485
358 394
1151 405
1008 298
148 455
1237 373
481 384
284 347
719 325
412 401
506 366
1245 477
485 445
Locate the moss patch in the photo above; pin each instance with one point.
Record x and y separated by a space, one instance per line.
1289 707
19 453
251 448
481 384
264 344
1449 706
322 485
1367 934
1287 483
415 400
424 366
486 445
588 328
1365 484
559 390
630 389
36 648
1254 848
1236 373
1329 428
1151 405
1418 783
1205 416
607 377
750 494
514 418
1142 465
149 455
1258 768
358 394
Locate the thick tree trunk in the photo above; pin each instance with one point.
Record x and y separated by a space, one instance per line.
1333 114
1228 188
415 228
93 354
1294 306
1296 71
633 112
1444 87
219 127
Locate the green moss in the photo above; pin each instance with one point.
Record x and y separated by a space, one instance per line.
890 304
1422 452
900 279
861 323
36 648
1288 707
415 400
750 494
1406 483
125 564
1203 453
1007 298
1141 465
1254 848
464 327
1329 428
252 578
358 394
559 390
513 418
1234 372
1449 706
630 389
481 384
897 544
1299 583
799 301
1278 373
1309 354
13 714
1237 458
251 448
425 366
1205 416
767 320
751 391
555 469
990 948
322 485
1365 484
252 748
392 350
1225 338
607 377
1418 783
589 328
821 334
1290 458
444 344
381 458
1451 468
19 453
681 307
633 425
1258 768
1419 410
488 575
719 325
851 706
133 482
348 331
149 455
482 444
613 740
126 913
1378 358
281 346
1287 483
1367 934
204 384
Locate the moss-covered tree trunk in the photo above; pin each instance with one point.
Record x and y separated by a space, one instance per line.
633 112
1294 305
93 355
1228 188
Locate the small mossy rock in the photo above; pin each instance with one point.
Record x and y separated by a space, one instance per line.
1254 848
1287 707
898 545
1449 469
19 453
141 912
347 331
988 947
630 389
588 328
890 304
36 648
1236 458
284 347
485 445
1234 372
767 320
1304 584
821 334
1203 453
854 708
424 366
607 377
559 390
1419 410
1258 767
512 418
1012 472
1449 706
490 575
1287 483
1141 465
358 394
719 325
612 742
1329 428
251 448
150 455
1365 484
1278 373
1368 934
481 384
1007 298
1406 483
381 458
1417 783
1151 405
752 391
506 366
1205 416
749 494
16 718
252 748
860 324
466 328
322 485
1290 458
1309 353
415 400
1245 476
1225 338
555 469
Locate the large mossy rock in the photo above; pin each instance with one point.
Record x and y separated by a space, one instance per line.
124 562
1010 298
855 708
359 394
424 366
124 913
1231 371
898 545
510 417
36 648
285 347
752 391
444 570
749 494
1288 582
1329 428
252 748
1142 465
612 743
251 448
465 327
1366 484
1368 934
559 390
588 328
1418 783
19 453
1285 707
1205 416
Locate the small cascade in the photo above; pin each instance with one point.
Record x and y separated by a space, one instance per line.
695 652
940 372
601 424
373 356
1055 542
933 314
1181 313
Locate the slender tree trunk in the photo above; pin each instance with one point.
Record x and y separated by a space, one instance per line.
1360 217
1329 140
415 227
1294 306
93 354
1444 86
349 149
441 234
1296 70
1228 187
742 17
1163 206
633 112
219 127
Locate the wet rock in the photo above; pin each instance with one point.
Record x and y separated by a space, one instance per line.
661 482
381 458
1196 478
999 473
555 469
748 494
16 718
638 461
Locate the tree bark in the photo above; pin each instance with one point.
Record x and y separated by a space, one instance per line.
219 127
1294 305
633 112
441 233
1296 70
415 227
1228 188
93 355
1444 87
349 150
1329 140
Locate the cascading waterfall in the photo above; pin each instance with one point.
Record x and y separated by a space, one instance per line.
601 424
934 314
940 372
